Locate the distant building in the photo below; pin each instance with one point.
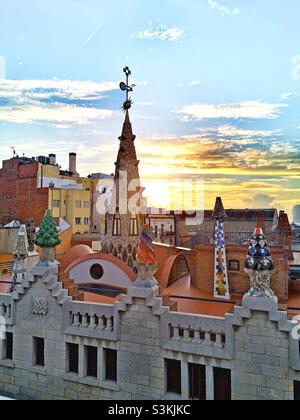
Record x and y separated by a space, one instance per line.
29 186
163 226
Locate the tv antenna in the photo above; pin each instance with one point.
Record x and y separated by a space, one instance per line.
14 150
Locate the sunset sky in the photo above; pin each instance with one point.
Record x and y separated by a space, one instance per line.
217 91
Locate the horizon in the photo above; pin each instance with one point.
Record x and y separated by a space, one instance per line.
207 104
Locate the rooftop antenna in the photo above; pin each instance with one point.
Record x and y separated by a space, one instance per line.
125 87
14 150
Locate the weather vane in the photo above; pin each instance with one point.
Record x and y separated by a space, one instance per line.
125 87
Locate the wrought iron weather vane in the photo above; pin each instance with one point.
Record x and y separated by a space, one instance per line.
125 87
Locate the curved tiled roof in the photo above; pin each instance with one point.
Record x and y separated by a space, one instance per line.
74 254
104 257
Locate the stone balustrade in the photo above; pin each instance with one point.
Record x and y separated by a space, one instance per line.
90 320
200 335
6 309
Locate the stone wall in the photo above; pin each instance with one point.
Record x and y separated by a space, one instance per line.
254 343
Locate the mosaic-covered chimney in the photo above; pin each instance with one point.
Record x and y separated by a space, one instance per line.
259 266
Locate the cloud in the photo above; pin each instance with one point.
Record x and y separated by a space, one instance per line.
54 102
248 109
195 83
161 32
231 131
224 9
261 201
288 95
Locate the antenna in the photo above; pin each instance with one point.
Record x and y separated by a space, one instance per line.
14 150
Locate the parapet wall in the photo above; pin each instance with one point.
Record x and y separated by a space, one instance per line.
255 343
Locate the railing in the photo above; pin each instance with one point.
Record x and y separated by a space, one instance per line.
90 320
199 335
6 308
242 237
94 237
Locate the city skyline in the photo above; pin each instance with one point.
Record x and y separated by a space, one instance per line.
217 96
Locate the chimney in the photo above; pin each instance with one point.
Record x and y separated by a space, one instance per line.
52 159
72 163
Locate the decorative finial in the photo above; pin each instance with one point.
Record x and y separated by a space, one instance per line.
259 266
20 254
30 234
147 263
219 212
47 239
125 87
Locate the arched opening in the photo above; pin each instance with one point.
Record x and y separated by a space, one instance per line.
124 255
179 269
130 262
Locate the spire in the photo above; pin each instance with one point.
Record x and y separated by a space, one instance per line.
127 152
259 266
124 218
221 281
21 247
20 254
261 221
219 211
285 234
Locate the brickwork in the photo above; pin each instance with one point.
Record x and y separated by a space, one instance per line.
19 190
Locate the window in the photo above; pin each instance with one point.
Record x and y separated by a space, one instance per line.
78 204
73 358
156 231
297 391
56 204
111 365
173 376
39 351
117 226
133 227
91 361
222 384
86 204
86 221
78 220
197 382
97 271
234 265
9 346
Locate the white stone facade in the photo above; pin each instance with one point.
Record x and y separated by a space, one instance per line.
255 343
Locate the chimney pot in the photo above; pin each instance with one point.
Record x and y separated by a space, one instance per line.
52 159
72 163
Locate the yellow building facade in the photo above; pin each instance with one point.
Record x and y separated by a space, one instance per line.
72 198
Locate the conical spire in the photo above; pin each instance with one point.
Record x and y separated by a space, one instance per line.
21 246
259 266
127 153
219 211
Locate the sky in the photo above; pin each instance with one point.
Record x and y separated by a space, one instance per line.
217 93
